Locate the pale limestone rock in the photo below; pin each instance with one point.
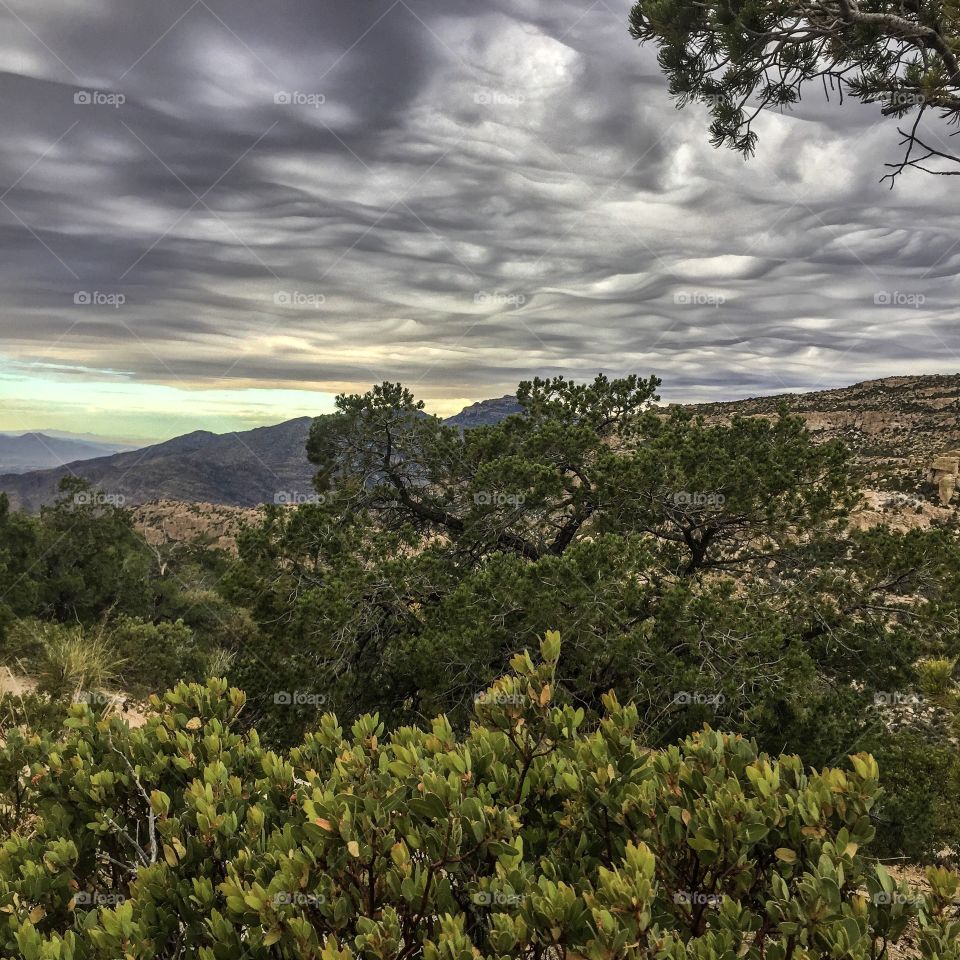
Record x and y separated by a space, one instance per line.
945 473
947 485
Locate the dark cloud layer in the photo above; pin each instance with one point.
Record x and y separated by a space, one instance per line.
456 195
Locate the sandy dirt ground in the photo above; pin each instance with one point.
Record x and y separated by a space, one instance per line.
18 686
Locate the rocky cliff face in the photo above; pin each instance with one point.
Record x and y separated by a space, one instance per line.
170 521
485 413
895 426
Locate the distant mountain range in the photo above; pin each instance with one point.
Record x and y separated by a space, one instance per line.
485 413
242 469
22 453
902 421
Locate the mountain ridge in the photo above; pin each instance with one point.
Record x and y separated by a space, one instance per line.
34 450
895 424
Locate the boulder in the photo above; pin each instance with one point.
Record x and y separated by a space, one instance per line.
948 485
944 471
946 464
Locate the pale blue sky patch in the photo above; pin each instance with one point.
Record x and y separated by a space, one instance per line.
140 412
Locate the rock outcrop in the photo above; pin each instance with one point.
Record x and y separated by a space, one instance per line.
899 422
945 473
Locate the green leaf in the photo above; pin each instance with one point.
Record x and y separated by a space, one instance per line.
550 646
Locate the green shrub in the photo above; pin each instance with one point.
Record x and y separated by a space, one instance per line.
127 652
156 655
530 836
89 561
30 710
936 676
919 812
66 660
18 711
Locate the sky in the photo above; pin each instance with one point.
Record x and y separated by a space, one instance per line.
221 213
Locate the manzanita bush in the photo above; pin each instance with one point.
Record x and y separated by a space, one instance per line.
530 836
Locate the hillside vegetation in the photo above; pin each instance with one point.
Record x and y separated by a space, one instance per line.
705 576
894 426
531 835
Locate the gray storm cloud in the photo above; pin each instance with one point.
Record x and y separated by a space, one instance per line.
453 195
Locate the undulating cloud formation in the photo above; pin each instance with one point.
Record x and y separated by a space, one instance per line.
205 197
